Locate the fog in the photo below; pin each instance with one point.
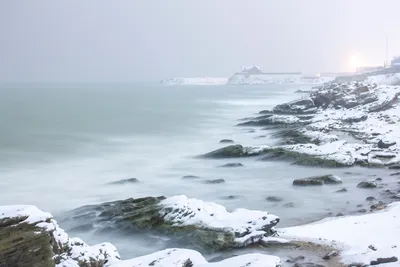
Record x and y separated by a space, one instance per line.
131 40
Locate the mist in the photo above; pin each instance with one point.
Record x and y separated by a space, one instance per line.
124 41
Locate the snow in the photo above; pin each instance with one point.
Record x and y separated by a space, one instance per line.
195 81
34 214
177 257
353 235
259 79
385 79
250 224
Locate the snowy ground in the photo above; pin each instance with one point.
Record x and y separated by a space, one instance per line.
360 239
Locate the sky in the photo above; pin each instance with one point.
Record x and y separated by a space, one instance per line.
149 40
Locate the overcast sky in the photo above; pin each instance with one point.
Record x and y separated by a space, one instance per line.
138 40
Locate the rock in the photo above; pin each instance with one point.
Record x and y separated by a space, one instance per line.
186 220
230 197
367 184
187 263
384 260
126 181
232 165
394 167
343 190
214 181
378 179
339 214
296 259
362 211
370 199
383 144
274 199
225 141
378 206
34 239
359 205
395 174
289 205
318 180
330 255
301 106
372 248
190 177
234 151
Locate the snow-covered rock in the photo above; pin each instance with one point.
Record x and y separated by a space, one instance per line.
384 79
360 239
195 81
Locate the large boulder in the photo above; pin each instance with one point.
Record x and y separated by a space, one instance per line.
190 220
301 106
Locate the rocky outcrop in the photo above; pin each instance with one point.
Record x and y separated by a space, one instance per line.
30 237
189 220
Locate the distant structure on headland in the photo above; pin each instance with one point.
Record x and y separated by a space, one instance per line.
256 70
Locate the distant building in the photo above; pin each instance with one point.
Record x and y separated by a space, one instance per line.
251 70
396 62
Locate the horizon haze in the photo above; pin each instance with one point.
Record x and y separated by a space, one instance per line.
127 41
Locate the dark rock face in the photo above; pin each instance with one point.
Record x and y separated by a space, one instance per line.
343 190
367 184
126 181
190 177
379 206
384 260
226 141
274 199
394 167
318 180
215 181
370 199
25 245
383 144
232 165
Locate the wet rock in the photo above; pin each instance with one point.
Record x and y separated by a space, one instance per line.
265 112
295 259
384 260
354 264
289 205
378 179
330 255
359 205
372 248
190 177
370 199
318 180
385 144
234 151
83 228
339 214
362 211
126 181
226 141
232 165
274 199
394 167
214 181
343 190
378 206
301 106
395 174
367 184
230 197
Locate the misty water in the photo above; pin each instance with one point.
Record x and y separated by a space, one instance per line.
61 146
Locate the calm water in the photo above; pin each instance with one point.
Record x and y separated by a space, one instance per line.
61 145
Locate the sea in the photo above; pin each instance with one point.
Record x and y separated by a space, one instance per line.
61 145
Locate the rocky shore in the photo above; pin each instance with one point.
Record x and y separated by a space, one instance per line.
335 125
